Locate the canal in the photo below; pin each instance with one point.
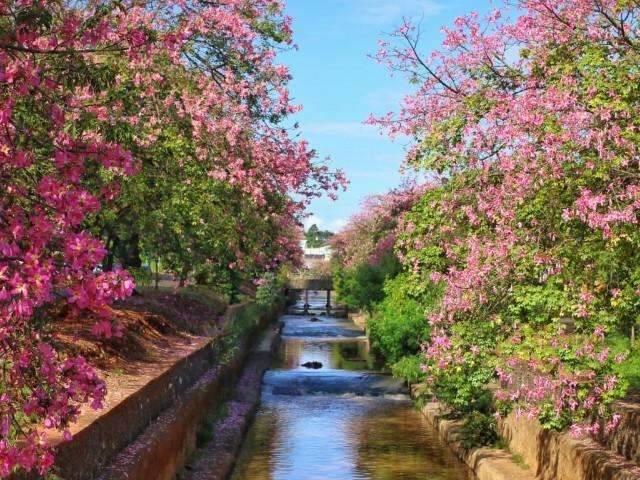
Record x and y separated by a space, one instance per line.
328 413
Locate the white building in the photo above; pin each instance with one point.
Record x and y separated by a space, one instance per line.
314 256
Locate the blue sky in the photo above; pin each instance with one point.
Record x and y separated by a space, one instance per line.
339 86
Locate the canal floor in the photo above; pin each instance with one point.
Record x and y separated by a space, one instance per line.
341 419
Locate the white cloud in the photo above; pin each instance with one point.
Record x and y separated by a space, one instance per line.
312 219
334 225
382 12
337 224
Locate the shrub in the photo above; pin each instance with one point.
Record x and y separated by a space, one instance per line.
361 286
409 368
629 368
398 325
142 275
270 290
479 430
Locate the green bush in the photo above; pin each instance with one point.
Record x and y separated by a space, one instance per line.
479 430
465 386
142 275
409 368
270 292
227 281
246 321
629 368
362 286
398 325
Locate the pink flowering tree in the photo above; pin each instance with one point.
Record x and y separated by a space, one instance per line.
370 232
89 93
527 120
368 275
363 250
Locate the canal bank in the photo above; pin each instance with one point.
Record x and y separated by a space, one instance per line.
222 432
155 406
168 443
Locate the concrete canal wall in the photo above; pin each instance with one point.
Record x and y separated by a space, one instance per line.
534 453
559 456
216 457
151 433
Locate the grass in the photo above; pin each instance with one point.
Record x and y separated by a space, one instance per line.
204 295
518 459
629 369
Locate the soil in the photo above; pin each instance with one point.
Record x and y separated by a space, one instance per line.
158 328
151 323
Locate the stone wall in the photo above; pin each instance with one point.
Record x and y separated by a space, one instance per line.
625 439
541 454
92 448
486 463
216 459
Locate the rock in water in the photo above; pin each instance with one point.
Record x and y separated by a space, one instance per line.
315 319
315 365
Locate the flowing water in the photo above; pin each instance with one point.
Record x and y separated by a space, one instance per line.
338 419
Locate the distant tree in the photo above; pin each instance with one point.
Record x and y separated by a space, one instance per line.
316 237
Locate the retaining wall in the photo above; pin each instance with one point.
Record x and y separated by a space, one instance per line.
216 459
559 456
174 401
486 463
166 444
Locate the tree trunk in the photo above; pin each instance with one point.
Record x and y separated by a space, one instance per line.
133 258
107 262
157 272
184 274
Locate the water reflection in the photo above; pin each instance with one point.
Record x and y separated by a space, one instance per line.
342 421
334 354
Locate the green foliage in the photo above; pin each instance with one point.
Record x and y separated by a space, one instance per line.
629 368
246 321
270 291
409 368
479 430
398 325
142 276
464 388
225 281
464 384
316 237
361 286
